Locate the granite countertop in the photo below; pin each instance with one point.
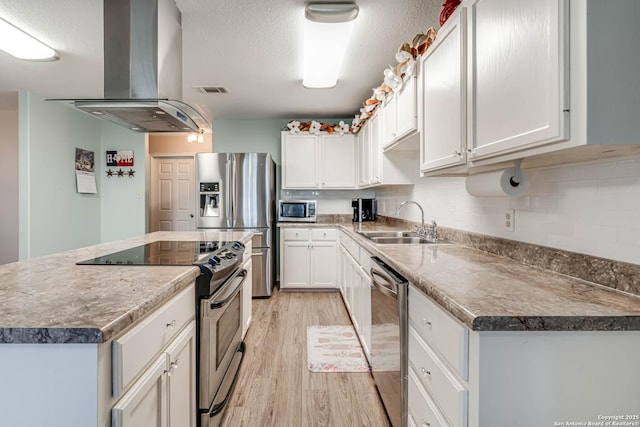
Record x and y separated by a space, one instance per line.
490 293
50 299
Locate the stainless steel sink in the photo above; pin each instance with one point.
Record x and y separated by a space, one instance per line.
397 238
376 234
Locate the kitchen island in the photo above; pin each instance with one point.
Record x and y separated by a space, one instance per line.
58 321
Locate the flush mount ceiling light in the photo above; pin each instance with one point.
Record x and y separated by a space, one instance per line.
17 43
327 29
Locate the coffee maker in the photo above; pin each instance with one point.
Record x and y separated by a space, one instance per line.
364 209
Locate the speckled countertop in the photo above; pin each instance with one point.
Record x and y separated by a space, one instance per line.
487 292
50 299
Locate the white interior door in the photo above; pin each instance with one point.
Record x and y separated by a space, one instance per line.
172 189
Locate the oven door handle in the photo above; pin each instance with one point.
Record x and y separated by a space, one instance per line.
242 275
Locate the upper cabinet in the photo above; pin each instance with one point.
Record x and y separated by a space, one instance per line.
400 115
375 167
548 82
517 62
442 108
318 161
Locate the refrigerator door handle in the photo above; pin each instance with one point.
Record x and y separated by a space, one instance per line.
234 186
228 191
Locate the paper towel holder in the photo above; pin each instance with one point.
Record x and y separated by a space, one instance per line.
515 180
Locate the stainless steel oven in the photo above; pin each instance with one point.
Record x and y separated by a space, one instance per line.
389 339
219 345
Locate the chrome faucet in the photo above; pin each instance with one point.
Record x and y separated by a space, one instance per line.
419 230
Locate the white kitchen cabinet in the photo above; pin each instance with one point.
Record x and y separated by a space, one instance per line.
308 258
548 83
318 161
364 155
299 161
146 402
376 167
442 109
400 115
164 396
518 89
356 288
458 377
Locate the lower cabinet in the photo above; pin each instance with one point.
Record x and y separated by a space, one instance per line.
308 258
164 396
355 287
464 378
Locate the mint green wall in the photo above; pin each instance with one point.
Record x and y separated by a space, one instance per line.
53 216
123 200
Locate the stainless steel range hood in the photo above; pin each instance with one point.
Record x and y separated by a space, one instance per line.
143 69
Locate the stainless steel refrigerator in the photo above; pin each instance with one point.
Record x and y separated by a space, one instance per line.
237 191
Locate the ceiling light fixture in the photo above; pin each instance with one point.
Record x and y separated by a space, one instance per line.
327 29
17 43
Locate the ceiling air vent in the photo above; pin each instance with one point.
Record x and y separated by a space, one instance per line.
211 89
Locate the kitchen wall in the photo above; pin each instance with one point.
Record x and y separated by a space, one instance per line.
591 207
9 177
176 143
123 201
53 216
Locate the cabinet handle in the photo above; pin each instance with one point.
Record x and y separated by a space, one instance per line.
424 423
172 366
426 323
469 150
457 153
425 373
296 234
171 325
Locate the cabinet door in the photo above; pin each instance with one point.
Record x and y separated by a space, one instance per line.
296 265
375 150
442 85
323 264
364 153
406 109
338 161
299 157
181 379
517 75
365 312
145 403
389 122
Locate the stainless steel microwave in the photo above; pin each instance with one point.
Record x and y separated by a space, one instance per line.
297 210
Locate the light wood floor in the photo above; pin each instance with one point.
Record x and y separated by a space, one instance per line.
275 388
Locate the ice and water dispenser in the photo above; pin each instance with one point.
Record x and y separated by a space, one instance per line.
209 199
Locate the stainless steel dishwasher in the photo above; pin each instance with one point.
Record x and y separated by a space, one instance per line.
389 339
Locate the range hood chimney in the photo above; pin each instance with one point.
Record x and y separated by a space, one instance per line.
143 69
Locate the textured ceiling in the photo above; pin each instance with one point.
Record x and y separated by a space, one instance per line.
252 48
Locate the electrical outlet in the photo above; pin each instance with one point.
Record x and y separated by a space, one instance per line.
509 220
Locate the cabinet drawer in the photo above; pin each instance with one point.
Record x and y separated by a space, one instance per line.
323 234
422 410
135 349
446 335
446 390
296 234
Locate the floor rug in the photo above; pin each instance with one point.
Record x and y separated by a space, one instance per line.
334 349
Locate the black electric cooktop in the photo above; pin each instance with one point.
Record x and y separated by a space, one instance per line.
163 252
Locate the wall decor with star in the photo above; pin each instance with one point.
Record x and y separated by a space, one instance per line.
119 158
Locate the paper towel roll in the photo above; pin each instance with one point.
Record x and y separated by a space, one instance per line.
498 184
